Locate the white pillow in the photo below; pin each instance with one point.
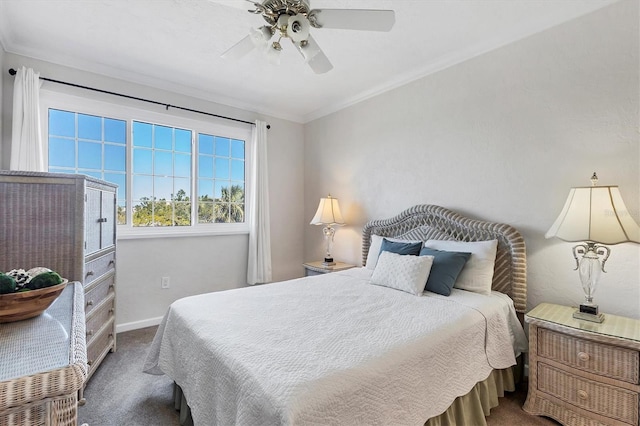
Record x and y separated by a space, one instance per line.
374 249
402 272
477 274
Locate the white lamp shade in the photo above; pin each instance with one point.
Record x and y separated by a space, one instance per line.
328 212
597 214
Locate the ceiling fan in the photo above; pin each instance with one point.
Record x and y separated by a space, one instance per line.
293 19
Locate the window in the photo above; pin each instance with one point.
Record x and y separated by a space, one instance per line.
174 175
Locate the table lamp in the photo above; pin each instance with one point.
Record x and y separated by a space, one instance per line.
328 214
593 215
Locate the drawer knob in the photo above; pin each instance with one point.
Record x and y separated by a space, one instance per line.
90 303
583 356
111 310
90 333
89 362
583 394
112 262
89 273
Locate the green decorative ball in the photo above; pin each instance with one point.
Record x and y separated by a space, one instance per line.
7 284
46 279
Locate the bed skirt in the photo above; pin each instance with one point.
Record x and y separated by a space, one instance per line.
469 409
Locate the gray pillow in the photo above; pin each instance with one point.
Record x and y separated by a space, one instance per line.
411 248
446 267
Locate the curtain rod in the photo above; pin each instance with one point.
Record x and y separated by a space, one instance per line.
166 105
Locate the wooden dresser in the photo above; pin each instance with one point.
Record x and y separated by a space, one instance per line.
580 372
67 223
44 364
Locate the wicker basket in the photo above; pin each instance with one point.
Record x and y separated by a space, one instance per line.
28 304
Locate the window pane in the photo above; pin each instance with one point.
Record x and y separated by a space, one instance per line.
163 163
62 123
162 188
142 134
237 149
89 155
182 165
114 157
142 187
205 166
182 213
115 131
62 152
221 212
183 140
89 127
237 170
163 137
205 144
236 212
205 212
205 190
218 188
142 162
222 168
182 189
119 179
222 146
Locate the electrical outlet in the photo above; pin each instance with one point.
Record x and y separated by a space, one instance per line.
165 282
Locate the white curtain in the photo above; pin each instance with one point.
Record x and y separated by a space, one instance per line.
27 152
259 267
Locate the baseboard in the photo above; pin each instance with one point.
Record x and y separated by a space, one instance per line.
135 325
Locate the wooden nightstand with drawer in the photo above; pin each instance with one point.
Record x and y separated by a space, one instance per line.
318 268
582 372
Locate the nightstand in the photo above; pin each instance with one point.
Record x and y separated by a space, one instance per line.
317 268
582 372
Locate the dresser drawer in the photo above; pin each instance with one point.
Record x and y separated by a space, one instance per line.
609 401
96 268
100 345
602 359
99 316
98 292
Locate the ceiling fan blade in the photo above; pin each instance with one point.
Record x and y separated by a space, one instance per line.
239 49
314 56
353 19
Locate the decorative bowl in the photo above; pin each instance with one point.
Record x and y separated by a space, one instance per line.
28 304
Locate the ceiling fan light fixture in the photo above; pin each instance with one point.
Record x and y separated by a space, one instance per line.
298 28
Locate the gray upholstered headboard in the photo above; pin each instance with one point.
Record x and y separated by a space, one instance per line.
425 222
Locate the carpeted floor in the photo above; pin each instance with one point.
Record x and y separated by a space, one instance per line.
119 393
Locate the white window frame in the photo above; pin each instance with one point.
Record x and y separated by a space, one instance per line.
50 99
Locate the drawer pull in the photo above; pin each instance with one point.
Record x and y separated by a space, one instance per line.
583 356
112 262
112 285
90 333
90 362
90 303
102 220
583 394
111 311
90 273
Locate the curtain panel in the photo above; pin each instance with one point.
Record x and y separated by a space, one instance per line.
259 264
27 151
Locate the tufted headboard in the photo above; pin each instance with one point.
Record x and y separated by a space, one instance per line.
428 222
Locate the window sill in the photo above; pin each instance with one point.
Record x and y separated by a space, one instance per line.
125 233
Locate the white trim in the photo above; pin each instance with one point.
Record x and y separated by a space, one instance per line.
135 325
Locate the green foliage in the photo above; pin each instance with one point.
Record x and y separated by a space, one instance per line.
7 284
46 279
229 208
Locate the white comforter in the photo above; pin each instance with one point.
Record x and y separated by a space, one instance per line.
331 349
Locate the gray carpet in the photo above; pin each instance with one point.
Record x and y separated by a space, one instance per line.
119 393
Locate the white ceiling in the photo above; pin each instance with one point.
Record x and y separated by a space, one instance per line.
176 45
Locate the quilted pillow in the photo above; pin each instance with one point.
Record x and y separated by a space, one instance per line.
376 246
477 274
446 267
402 272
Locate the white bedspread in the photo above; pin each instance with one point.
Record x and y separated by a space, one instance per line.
331 349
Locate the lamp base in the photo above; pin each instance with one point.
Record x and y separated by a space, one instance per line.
588 317
328 261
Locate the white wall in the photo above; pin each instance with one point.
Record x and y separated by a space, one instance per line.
501 137
194 264
2 70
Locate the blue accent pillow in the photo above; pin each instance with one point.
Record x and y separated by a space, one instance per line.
411 248
446 267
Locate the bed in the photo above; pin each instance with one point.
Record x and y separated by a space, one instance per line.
337 349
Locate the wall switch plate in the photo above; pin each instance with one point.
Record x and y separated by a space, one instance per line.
165 282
